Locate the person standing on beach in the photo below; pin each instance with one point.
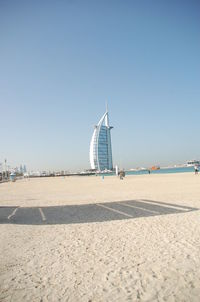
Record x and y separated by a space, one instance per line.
121 175
196 170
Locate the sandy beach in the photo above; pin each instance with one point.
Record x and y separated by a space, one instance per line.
149 252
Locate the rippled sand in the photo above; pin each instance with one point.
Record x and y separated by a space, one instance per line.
155 258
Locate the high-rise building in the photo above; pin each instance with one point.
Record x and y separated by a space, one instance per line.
100 146
21 169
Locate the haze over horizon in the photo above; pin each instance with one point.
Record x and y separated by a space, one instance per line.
61 60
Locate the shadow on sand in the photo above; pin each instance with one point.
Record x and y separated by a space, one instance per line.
87 213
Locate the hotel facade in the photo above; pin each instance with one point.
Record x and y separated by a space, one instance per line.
100 146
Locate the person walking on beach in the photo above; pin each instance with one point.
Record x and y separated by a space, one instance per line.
121 174
196 170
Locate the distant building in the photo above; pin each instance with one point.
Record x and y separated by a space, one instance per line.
193 162
21 169
100 146
16 169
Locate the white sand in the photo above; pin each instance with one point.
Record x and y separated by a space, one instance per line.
142 259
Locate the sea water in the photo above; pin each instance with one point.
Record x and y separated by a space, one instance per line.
160 171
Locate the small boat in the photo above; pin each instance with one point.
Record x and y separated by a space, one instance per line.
155 168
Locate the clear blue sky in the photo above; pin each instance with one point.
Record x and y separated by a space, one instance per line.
61 60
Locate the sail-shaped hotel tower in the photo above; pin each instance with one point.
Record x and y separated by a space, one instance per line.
100 146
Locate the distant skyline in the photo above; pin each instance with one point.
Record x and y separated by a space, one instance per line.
62 60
